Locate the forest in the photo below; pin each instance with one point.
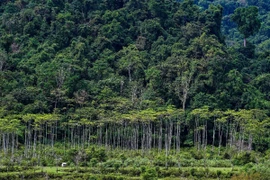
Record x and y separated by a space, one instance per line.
135 89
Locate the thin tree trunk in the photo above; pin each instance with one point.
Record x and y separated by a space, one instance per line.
206 137
149 135
250 139
220 130
4 142
170 135
35 142
13 145
160 137
214 135
166 149
178 136
137 135
106 136
227 134
129 73
143 138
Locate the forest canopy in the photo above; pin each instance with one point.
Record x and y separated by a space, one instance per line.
83 63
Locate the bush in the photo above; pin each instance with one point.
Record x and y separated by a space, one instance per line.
112 163
226 156
243 159
262 169
9 169
219 163
160 161
150 174
186 173
247 177
248 166
71 153
93 162
196 154
212 174
175 172
112 177
219 173
187 162
200 173
143 169
228 175
8 176
98 153
128 162
130 171
193 171
92 178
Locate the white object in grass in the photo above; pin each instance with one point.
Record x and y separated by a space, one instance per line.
64 164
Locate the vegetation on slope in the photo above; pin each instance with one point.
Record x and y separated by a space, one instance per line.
131 75
261 39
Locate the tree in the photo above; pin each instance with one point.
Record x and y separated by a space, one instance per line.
247 21
213 18
184 82
130 60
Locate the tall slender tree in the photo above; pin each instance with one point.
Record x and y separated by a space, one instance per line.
247 21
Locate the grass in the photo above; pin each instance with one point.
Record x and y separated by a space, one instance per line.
171 173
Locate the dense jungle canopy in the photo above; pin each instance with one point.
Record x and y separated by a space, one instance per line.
159 64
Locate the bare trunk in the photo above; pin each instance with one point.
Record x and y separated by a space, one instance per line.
214 134
166 149
118 138
52 135
106 136
160 137
185 93
203 137
170 135
35 142
250 139
13 145
129 73
178 136
89 136
227 134
220 132
143 138
4 142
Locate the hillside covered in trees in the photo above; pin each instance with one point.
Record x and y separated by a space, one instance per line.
261 39
133 74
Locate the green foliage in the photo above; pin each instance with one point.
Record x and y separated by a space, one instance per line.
77 74
150 174
93 162
97 153
134 50
243 159
247 20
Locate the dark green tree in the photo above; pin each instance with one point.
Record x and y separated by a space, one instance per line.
247 21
